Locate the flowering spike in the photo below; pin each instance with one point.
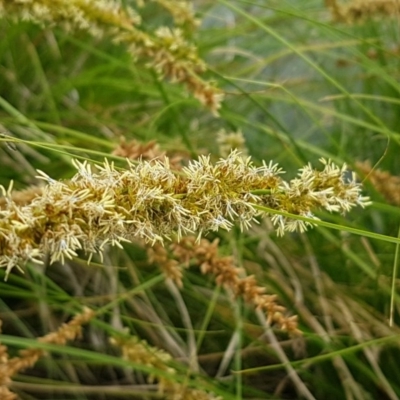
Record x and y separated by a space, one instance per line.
150 202
165 51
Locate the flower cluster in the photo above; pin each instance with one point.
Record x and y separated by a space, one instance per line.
149 201
28 357
226 273
166 51
139 352
359 10
333 189
170 55
181 11
383 181
99 17
228 141
135 150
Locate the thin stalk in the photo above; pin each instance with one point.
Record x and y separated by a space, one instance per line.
393 291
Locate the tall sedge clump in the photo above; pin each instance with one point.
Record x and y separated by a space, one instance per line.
149 201
165 50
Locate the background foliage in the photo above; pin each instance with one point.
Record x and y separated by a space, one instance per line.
300 85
